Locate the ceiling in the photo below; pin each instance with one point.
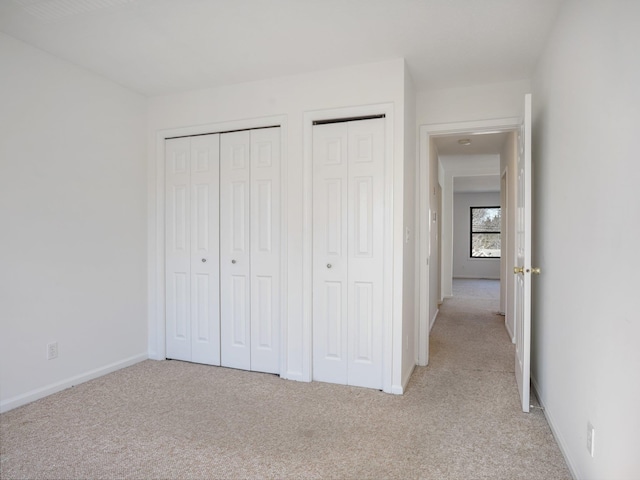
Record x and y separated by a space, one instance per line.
481 143
158 47
464 156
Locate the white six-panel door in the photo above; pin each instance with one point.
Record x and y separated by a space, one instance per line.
265 250
365 252
250 249
235 268
523 270
192 250
348 193
330 262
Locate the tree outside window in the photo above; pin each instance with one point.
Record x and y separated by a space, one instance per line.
485 232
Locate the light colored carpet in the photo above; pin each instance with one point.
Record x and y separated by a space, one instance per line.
459 419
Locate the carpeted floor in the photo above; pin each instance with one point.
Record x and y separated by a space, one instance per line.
459 419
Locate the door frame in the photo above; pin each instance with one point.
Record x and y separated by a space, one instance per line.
307 240
156 238
422 168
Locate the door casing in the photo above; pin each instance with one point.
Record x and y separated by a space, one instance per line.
422 213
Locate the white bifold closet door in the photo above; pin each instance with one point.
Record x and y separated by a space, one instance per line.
250 249
192 249
348 216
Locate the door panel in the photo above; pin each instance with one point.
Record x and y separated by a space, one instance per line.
330 168
235 265
523 259
265 250
192 298
363 316
365 252
181 308
239 302
178 256
332 321
363 217
205 249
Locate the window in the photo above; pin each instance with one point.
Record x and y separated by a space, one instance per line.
485 232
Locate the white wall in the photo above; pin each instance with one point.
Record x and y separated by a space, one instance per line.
482 102
73 216
290 98
463 265
586 360
410 308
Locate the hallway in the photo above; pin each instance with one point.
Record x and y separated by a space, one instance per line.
470 380
469 334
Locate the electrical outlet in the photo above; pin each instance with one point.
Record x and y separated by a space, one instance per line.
52 350
591 433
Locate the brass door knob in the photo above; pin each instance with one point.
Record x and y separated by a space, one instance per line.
535 271
518 270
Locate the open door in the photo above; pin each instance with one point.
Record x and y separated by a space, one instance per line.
522 269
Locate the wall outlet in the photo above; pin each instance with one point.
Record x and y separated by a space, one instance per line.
52 350
591 433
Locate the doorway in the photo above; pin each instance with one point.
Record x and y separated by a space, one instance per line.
492 139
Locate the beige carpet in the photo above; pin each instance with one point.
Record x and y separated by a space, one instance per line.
459 419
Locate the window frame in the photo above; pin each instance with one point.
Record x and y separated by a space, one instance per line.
471 232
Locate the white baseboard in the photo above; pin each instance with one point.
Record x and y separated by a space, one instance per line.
573 470
433 320
509 332
155 356
405 381
39 393
295 376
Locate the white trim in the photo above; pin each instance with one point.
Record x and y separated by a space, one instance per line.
511 334
400 389
562 444
433 320
422 167
423 228
37 394
156 242
307 236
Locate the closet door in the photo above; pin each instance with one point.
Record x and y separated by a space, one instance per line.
365 207
205 249
265 250
348 215
191 236
235 268
330 171
177 245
